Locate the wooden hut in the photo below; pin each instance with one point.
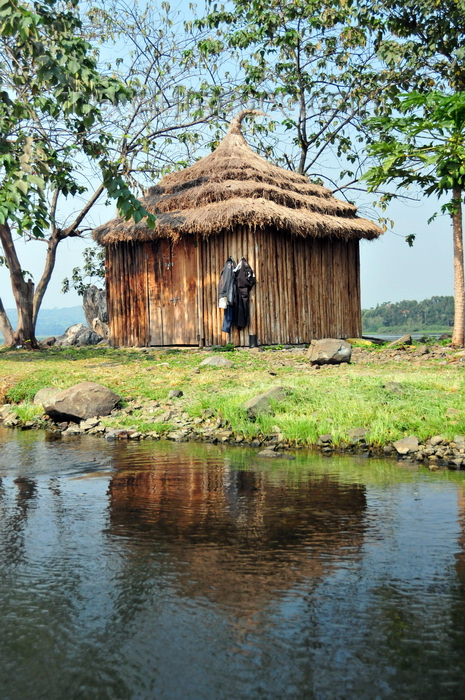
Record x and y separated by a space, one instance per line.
301 242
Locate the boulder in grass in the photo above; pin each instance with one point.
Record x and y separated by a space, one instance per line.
78 335
329 351
82 401
216 361
262 402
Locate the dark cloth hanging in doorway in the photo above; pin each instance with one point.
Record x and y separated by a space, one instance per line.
244 280
234 287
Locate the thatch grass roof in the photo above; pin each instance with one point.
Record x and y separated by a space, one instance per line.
235 186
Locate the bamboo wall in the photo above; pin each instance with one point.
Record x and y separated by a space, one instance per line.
159 294
306 288
127 299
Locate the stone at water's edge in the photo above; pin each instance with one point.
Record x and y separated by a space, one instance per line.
46 395
406 445
261 403
81 401
329 351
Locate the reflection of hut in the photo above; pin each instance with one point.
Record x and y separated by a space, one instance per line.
301 242
242 534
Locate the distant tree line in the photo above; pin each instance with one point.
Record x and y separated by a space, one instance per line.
435 314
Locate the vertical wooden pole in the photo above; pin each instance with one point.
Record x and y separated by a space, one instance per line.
200 283
252 259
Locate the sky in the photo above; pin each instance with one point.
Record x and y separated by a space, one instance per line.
390 269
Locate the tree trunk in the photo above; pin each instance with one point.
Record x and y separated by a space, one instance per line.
5 326
25 330
459 285
23 293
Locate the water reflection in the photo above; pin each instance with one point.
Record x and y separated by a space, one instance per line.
237 536
187 571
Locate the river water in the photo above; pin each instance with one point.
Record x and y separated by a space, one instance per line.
180 571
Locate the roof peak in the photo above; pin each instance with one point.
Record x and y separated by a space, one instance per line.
236 122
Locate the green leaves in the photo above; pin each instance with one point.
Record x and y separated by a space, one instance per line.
53 97
128 205
313 64
424 145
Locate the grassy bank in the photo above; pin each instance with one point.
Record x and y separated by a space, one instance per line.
391 394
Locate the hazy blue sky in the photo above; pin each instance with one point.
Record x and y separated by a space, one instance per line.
390 270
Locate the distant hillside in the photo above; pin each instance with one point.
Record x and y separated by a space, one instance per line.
52 321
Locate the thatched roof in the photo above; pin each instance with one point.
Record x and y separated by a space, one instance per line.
235 186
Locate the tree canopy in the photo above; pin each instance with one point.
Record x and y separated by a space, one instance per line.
313 68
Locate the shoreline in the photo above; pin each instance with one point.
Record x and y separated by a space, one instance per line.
209 409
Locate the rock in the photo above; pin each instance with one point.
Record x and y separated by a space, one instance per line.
404 340
78 335
175 394
100 329
272 454
406 445
45 395
82 401
94 304
325 439
262 402
120 434
329 351
224 435
89 424
165 417
178 435
28 425
5 410
72 429
216 361
357 435
11 420
436 440
47 342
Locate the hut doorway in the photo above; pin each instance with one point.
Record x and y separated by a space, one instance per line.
173 292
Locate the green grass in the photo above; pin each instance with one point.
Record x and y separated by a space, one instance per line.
431 398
